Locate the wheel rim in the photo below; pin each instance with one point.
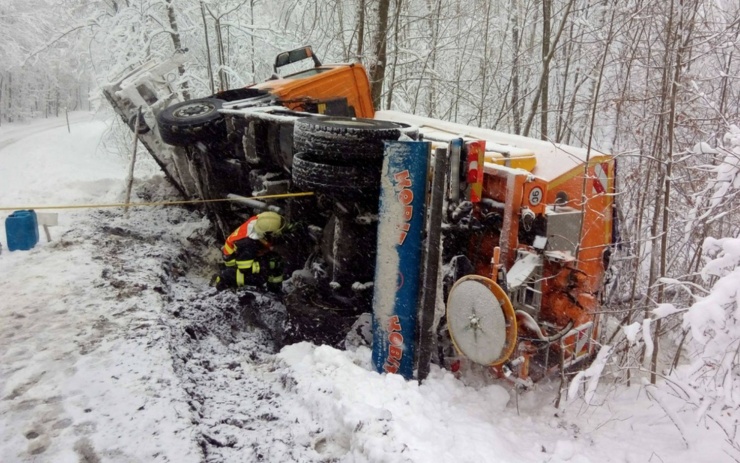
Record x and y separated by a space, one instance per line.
194 110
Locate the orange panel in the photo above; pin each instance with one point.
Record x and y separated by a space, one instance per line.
598 190
338 81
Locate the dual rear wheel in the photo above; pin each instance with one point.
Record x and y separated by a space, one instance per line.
342 157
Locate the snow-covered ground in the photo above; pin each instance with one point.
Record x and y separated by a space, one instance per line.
114 349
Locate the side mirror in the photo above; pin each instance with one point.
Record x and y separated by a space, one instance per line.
293 56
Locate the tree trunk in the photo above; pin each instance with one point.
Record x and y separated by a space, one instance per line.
515 67
2 82
361 30
396 33
434 25
484 84
377 67
10 97
251 39
660 190
223 78
545 66
681 48
725 80
545 84
177 44
460 23
568 52
208 49
341 29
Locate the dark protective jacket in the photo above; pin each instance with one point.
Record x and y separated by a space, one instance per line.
249 258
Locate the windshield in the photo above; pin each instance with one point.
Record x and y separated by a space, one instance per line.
306 73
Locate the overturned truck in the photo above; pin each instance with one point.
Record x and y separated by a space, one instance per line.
526 225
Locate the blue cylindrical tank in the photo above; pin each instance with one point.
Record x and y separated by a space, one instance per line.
22 230
398 262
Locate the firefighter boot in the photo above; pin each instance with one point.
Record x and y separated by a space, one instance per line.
217 283
274 287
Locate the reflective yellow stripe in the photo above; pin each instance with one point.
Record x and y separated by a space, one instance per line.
256 267
275 279
230 263
228 249
244 264
239 278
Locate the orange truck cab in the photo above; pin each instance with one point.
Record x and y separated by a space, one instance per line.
330 89
326 86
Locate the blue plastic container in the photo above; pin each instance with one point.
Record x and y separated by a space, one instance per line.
22 230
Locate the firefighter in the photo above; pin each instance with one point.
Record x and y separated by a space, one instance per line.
248 255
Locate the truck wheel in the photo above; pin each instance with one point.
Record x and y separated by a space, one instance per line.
192 121
350 140
139 129
332 178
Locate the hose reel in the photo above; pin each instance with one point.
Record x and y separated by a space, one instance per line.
481 320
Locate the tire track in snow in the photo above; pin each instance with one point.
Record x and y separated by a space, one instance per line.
12 133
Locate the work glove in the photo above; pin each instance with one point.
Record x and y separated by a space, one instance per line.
292 231
270 263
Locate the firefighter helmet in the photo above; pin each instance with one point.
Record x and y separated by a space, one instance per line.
268 222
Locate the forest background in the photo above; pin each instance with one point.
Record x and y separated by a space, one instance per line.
657 84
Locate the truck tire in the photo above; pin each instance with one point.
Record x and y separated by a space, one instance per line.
192 121
345 139
140 129
334 179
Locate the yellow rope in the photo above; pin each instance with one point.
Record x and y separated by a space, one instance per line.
160 203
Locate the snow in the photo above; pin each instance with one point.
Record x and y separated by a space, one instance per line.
386 272
592 373
552 159
522 269
664 309
647 338
631 331
713 324
81 365
113 348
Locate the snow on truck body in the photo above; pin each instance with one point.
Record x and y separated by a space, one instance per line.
542 214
